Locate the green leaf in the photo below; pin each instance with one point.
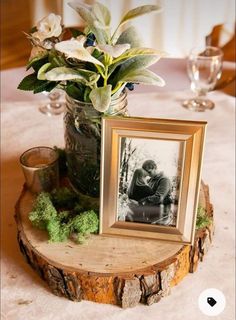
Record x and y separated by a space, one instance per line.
41 86
31 83
139 11
55 59
102 13
75 90
28 83
134 13
37 62
74 49
42 71
116 92
88 16
143 77
101 98
130 36
136 58
90 76
86 94
64 73
96 53
133 64
100 34
85 11
114 51
133 52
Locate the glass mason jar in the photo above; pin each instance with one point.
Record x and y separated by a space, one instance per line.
82 132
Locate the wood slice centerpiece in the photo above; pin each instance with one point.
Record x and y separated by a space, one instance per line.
120 271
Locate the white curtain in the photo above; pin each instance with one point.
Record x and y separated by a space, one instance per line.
181 25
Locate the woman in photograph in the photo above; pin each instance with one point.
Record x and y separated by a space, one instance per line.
139 187
154 212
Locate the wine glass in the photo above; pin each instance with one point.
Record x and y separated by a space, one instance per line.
54 106
204 66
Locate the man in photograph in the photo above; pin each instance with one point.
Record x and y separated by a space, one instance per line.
152 195
157 207
159 183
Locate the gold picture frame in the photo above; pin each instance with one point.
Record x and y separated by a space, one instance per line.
139 146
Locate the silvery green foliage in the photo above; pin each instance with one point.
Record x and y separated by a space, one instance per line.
96 64
101 98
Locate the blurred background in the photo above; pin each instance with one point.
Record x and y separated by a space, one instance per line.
181 25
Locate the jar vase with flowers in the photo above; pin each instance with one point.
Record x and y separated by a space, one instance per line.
93 67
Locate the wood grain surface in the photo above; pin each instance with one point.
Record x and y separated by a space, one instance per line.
122 271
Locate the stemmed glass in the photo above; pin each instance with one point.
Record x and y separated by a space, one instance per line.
204 66
54 106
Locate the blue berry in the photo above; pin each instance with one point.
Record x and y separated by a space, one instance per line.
90 40
130 86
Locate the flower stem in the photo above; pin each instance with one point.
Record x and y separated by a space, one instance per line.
100 71
106 63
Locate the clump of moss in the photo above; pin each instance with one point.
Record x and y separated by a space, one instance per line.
43 211
203 220
84 224
57 231
74 222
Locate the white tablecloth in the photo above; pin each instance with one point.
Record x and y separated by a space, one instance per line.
25 296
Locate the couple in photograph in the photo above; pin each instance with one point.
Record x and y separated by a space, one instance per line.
151 189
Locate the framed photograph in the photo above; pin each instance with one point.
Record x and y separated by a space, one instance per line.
150 177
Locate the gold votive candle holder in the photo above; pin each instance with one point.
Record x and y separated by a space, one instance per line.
40 168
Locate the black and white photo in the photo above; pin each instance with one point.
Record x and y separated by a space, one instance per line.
151 173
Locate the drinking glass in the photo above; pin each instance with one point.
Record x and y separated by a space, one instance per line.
204 66
40 168
54 107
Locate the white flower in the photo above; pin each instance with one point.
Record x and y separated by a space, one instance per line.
48 27
74 48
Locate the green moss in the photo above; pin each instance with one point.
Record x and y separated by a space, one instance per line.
43 211
60 225
86 222
203 220
57 231
64 215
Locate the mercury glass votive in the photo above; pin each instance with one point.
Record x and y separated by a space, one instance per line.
40 168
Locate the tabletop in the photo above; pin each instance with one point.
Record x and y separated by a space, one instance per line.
24 295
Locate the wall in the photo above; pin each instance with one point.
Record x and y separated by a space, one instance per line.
181 25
